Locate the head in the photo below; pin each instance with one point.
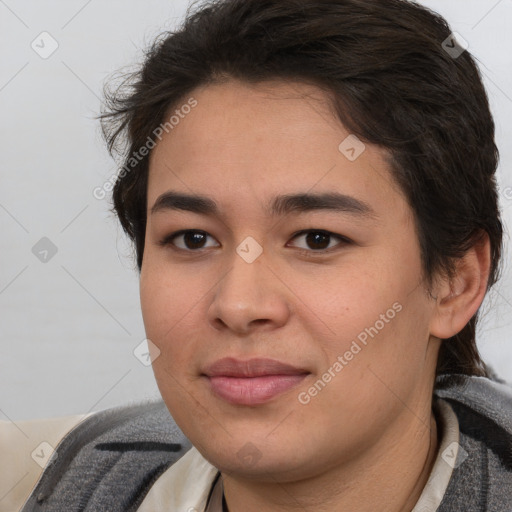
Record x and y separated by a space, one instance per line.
346 118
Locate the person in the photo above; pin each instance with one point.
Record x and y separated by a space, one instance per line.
310 189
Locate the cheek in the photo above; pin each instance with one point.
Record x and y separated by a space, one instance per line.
156 303
167 294
174 303
374 311
168 310
345 300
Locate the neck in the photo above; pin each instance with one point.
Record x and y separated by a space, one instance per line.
392 474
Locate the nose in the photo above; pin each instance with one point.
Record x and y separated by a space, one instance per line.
249 296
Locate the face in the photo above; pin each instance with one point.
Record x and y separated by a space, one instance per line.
303 252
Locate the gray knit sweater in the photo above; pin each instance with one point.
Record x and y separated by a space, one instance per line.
111 460
483 483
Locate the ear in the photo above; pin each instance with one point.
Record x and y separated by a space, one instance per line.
458 298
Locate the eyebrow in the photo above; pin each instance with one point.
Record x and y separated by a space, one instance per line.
279 205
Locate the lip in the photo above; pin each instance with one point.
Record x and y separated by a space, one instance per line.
252 382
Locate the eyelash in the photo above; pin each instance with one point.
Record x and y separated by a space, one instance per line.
168 240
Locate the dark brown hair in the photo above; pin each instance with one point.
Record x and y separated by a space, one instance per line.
393 81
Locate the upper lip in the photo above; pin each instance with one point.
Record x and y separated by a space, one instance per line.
257 367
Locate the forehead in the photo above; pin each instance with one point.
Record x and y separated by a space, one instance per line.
243 142
236 116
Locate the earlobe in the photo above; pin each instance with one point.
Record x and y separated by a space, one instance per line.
458 298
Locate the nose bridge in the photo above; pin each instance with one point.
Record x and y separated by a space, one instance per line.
243 280
242 286
248 294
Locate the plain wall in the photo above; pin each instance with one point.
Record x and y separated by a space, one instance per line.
69 325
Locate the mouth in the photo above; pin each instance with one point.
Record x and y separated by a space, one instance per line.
252 382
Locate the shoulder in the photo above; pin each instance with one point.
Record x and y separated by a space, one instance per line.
25 449
114 454
482 478
478 399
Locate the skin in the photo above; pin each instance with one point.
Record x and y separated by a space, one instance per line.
369 436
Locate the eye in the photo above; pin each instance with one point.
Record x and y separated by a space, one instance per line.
320 240
191 239
317 240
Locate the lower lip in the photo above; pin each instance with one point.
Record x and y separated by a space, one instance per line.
253 390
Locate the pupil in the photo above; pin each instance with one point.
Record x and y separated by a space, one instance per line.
194 239
318 239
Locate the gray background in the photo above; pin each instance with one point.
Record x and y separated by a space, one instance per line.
69 326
